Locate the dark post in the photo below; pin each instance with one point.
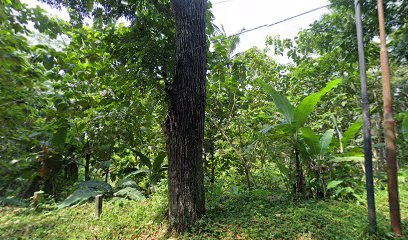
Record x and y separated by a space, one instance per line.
366 118
87 159
98 206
389 132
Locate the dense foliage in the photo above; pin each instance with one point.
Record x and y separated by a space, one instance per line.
82 108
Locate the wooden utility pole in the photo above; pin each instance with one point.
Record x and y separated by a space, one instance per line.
366 119
389 132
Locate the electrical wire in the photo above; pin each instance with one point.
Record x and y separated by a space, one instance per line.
262 26
222 2
280 21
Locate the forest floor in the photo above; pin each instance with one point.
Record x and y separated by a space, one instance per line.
256 214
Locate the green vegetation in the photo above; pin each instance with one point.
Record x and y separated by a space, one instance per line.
111 108
255 214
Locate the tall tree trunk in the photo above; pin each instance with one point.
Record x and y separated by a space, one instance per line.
184 126
368 161
389 129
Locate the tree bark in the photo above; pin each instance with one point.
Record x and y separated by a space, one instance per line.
300 179
184 126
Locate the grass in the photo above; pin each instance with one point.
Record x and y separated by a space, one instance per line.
258 214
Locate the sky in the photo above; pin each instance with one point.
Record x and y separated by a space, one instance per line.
235 15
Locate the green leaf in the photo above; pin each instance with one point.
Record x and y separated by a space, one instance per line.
59 137
308 104
86 190
131 193
334 184
325 141
126 182
280 101
348 159
311 139
34 134
78 197
158 161
278 128
140 171
352 131
97 185
143 158
105 164
405 126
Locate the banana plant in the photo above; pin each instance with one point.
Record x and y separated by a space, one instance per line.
315 152
294 119
318 152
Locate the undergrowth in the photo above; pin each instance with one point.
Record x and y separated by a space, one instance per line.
236 214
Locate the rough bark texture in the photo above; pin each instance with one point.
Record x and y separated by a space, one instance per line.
184 126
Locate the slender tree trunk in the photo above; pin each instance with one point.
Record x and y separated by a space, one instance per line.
240 155
87 160
368 161
300 179
106 174
247 164
184 126
213 162
389 131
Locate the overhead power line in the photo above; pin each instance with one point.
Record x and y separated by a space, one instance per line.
280 21
222 2
266 25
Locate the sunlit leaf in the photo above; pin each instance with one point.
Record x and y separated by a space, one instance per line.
281 102
308 104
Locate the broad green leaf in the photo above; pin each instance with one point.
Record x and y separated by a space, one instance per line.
87 190
59 137
126 182
284 127
131 193
311 139
98 185
158 161
34 134
137 172
143 158
78 197
308 104
325 141
105 164
334 184
352 131
280 101
405 126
